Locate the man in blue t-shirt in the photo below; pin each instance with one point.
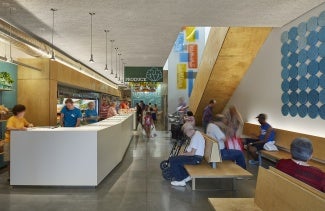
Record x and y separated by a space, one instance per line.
70 115
91 115
267 134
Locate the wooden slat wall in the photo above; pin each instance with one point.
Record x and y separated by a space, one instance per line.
238 51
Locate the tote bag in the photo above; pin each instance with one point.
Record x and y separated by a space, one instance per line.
234 143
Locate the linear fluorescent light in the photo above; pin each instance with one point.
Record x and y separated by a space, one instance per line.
84 72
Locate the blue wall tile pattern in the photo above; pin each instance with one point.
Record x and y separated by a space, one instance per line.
303 69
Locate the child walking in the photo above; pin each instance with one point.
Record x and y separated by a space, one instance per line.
148 122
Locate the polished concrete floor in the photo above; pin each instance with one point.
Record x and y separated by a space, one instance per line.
135 184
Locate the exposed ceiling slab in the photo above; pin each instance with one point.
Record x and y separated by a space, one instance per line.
144 30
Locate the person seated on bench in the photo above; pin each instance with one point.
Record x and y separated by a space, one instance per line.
301 151
193 156
267 134
214 130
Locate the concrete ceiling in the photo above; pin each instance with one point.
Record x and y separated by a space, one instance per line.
144 30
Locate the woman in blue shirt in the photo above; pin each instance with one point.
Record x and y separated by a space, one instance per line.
91 115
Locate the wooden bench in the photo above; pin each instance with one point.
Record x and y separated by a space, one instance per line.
275 191
213 167
283 139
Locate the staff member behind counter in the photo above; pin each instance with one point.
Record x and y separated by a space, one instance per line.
70 115
16 122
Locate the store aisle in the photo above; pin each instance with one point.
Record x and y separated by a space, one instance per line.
136 184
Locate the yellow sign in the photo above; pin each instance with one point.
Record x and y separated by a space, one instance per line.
181 73
190 34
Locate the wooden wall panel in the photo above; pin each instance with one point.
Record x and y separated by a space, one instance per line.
210 54
238 51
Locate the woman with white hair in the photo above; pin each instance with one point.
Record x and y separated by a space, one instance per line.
193 156
301 151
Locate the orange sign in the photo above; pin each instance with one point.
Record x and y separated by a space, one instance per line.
181 73
192 56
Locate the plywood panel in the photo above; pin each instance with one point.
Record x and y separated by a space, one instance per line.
274 192
27 73
210 54
233 204
238 51
35 94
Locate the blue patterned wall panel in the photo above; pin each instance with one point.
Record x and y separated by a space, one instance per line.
302 110
303 69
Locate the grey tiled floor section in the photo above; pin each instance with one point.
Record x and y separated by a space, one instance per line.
135 184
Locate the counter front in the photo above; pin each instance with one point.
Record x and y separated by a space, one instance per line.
81 156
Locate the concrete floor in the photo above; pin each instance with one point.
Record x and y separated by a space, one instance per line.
135 184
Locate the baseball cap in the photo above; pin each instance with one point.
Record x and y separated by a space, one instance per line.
261 116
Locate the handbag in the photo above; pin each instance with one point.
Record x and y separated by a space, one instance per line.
234 143
270 146
153 131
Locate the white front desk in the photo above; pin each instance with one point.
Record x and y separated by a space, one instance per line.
81 156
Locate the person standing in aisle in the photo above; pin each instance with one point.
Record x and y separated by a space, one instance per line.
16 122
103 110
154 113
91 115
208 114
70 115
148 122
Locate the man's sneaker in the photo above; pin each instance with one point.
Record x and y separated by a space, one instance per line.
178 183
253 162
187 179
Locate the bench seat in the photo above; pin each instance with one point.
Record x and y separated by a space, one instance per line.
275 191
283 140
278 155
223 204
226 169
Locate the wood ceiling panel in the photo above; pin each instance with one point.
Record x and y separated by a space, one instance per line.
238 51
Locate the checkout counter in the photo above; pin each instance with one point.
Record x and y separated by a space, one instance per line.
81 156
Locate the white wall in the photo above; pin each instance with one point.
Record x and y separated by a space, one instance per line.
260 90
173 92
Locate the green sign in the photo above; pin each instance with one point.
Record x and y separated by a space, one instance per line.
143 74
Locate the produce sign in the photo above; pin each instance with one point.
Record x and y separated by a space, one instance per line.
143 74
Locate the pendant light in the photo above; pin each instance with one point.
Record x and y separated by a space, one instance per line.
116 49
10 37
112 41
91 60
53 11
123 66
119 66
106 69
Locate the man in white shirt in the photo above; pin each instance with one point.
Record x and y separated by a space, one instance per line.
193 156
214 130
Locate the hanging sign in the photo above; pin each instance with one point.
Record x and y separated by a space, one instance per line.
192 56
143 74
181 76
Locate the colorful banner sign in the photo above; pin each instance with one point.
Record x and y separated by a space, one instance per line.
143 74
192 55
181 76
190 34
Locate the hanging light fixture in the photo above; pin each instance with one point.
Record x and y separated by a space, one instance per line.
123 71
119 66
116 49
106 68
112 41
10 37
53 11
91 60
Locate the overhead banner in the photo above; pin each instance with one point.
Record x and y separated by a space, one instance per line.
143 74
192 56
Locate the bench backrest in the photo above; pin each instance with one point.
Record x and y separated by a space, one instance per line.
283 139
212 150
298 182
275 192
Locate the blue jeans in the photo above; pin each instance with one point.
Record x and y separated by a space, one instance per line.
234 155
177 165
